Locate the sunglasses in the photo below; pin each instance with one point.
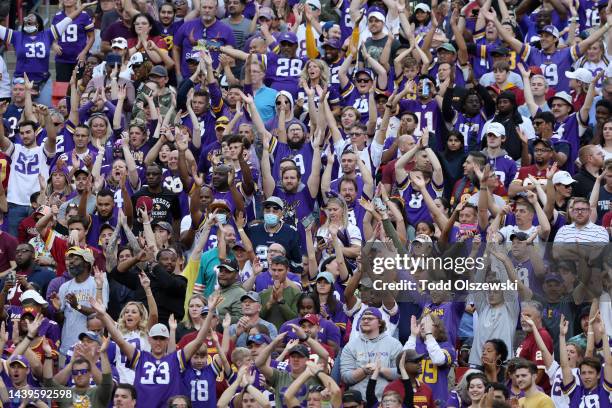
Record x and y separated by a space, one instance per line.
79 372
18 81
58 123
257 338
363 81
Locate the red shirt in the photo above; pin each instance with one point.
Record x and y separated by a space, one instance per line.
388 171
8 245
26 229
423 397
5 170
529 350
533 170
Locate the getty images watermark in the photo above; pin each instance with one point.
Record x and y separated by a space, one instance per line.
419 281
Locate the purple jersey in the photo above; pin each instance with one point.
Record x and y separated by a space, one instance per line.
569 131
298 206
12 116
216 35
346 24
93 233
436 377
428 113
48 328
471 129
525 273
167 33
416 209
588 14
554 66
302 157
264 280
173 183
598 397
350 96
450 313
32 51
156 380
200 385
283 73
328 331
504 167
74 37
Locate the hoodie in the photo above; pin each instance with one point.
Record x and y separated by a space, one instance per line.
360 351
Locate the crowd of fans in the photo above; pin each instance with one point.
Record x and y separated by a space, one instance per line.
192 205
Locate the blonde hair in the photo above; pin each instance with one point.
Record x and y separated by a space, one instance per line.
325 72
109 127
187 322
340 203
142 324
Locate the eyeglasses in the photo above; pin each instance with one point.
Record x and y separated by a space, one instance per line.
581 210
541 150
279 103
316 388
355 134
79 372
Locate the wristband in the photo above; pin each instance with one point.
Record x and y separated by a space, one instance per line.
29 338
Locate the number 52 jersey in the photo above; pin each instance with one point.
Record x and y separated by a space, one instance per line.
26 165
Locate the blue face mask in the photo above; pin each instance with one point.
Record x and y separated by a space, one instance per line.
222 218
271 219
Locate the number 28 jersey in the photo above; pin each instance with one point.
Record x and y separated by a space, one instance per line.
157 380
26 165
283 74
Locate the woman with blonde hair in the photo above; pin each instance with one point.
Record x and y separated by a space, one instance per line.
315 76
193 319
337 224
134 324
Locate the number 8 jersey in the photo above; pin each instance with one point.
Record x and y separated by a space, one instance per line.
74 38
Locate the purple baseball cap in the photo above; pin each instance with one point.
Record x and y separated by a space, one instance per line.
374 311
288 37
333 43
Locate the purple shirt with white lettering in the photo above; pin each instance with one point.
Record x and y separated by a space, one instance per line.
74 38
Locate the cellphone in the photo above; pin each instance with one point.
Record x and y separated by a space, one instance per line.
426 88
468 227
12 277
80 71
306 222
378 203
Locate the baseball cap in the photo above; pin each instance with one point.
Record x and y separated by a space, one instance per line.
136 59
521 236
254 296
274 201
423 7
500 51
550 29
327 276
377 13
120 43
266 12
448 47
81 171
159 330
21 360
314 3
564 96
289 37
259 338
580 74
91 335
229 264
352 396
159 70
545 142
412 356
366 71
165 225
333 43
146 202
301 350
553 277
34 296
310 318
497 129
84 253
424 239
563 177
372 311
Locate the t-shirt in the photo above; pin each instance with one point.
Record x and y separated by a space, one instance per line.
281 380
539 400
529 350
26 165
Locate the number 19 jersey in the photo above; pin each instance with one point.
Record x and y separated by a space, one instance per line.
74 38
157 380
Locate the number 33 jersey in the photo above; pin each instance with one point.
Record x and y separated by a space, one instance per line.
157 380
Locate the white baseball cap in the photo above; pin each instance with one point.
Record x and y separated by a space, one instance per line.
581 74
119 42
423 7
159 330
31 294
563 177
497 129
136 59
314 3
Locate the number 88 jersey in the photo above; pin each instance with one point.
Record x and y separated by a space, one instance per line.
74 38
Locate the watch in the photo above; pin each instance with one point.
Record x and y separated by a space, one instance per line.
281 302
79 307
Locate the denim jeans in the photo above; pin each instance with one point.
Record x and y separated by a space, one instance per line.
16 213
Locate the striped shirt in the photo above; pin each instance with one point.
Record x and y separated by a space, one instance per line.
588 233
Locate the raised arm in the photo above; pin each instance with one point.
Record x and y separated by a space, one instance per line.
566 370
513 42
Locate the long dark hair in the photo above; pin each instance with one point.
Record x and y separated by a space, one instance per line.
154 30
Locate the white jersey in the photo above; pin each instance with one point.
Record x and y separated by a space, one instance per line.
141 342
560 399
26 165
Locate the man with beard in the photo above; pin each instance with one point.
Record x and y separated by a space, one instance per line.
125 396
208 29
106 212
230 289
72 301
224 188
166 206
542 154
525 376
476 106
292 143
28 273
517 127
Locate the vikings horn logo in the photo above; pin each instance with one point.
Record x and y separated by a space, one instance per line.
290 212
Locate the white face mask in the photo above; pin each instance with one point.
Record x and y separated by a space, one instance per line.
30 29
